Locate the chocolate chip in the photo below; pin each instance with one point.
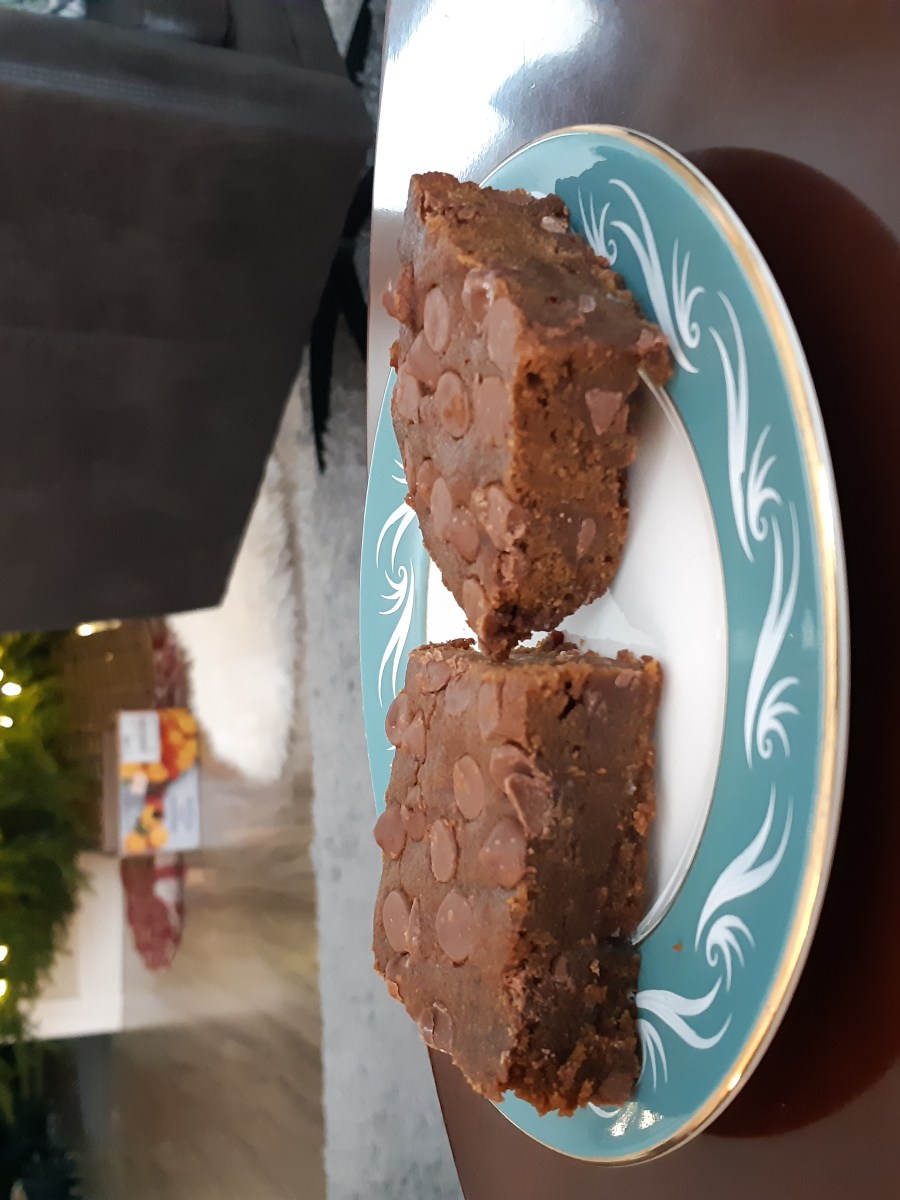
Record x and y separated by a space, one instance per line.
463 535
475 602
390 833
454 927
650 339
414 928
493 410
501 518
468 787
395 918
426 477
502 857
626 679
460 697
502 712
414 822
457 526
586 304
441 508
508 760
501 328
397 719
437 676
477 294
409 467
488 708
532 798
407 396
444 851
413 737
422 362
603 407
396 974
437 320
453 405
554 224
586 535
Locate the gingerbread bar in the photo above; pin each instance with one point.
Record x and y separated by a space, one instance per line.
518 354
514 863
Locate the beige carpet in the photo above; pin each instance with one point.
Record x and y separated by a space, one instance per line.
384 1134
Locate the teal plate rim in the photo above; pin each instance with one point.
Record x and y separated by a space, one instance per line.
719 969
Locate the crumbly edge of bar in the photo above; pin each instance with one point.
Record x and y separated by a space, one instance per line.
599 1064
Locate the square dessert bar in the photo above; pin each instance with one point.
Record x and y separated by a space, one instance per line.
518 353
514 864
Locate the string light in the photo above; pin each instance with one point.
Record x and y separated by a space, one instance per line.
89 627
4 953
6 722
4 988
11 689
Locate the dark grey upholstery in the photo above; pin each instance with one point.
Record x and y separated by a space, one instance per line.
168 214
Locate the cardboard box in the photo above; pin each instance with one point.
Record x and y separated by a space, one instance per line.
152 783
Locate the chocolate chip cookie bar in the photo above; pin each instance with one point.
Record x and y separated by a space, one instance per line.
514 864
518 356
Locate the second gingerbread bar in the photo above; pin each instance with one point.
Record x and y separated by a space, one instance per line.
514 865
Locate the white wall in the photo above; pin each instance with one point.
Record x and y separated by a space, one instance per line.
85 992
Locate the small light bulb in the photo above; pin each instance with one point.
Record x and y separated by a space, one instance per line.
4 988
6 722
4 953
84 630
1 674
11 689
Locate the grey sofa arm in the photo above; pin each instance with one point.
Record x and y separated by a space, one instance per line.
205 22
168 220
295 31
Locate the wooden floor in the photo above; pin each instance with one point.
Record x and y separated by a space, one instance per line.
214 1090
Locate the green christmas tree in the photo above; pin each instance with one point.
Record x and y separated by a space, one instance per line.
40 828
50 1175
32 1165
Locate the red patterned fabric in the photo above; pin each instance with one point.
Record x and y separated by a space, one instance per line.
155 908
170 681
